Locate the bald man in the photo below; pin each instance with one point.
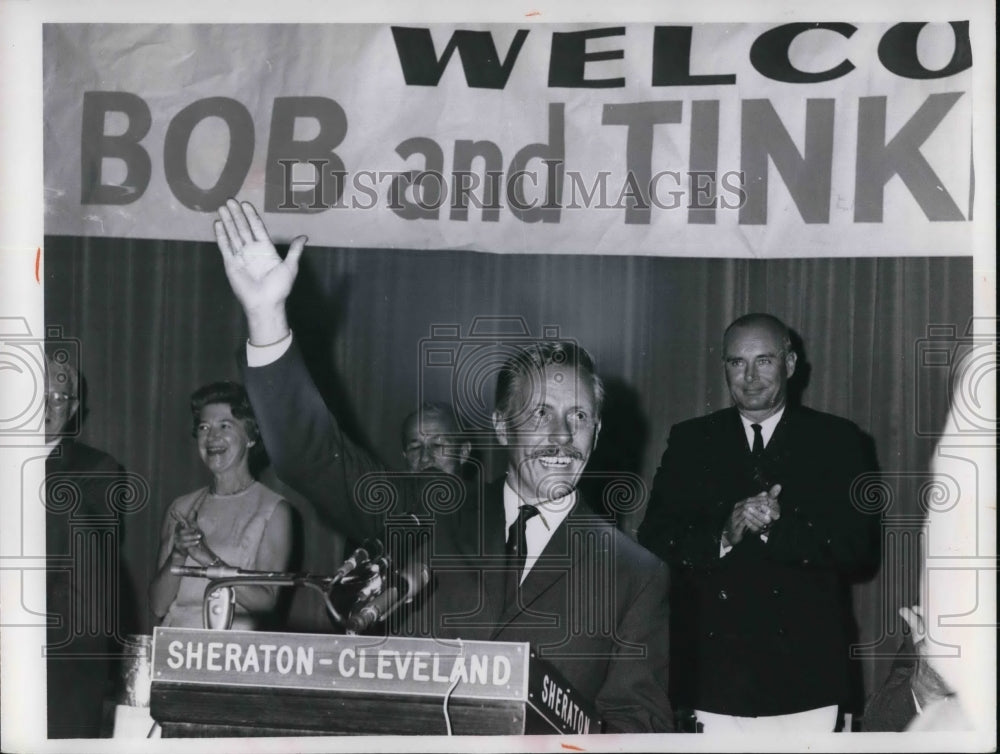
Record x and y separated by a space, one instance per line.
431 440
751 507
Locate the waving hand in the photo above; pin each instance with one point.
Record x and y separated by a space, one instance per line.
259 277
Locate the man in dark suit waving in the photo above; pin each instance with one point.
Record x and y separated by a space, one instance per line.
751 506
588 599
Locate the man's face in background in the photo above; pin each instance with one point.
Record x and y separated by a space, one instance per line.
429 444
61 400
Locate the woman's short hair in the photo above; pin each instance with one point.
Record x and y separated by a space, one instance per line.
233 395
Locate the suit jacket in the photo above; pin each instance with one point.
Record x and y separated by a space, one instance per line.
594 605
81 664
763 630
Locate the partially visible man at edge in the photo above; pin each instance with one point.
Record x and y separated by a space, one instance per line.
548 417
80 665
752 508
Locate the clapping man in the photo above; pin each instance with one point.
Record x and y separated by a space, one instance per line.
752 508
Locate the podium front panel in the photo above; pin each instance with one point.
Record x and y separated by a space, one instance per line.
255 683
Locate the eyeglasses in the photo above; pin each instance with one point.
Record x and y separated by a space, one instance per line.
57 398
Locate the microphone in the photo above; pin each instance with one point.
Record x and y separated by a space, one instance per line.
416 576
358 557
207 572
373 611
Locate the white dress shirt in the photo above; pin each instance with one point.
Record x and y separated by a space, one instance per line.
766 427
261 356
538 530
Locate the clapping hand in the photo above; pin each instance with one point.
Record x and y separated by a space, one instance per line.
764 509
755 514
189 540
258 276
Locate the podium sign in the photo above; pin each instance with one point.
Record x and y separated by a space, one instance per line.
360 664
207 682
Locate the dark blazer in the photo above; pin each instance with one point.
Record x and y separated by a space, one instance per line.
594 605
764 630
85 605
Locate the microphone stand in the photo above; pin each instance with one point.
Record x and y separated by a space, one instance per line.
221 577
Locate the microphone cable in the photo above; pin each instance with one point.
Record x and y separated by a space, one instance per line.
454 684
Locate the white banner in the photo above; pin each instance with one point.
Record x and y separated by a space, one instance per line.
798 139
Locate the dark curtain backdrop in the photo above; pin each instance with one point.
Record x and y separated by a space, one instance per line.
156 319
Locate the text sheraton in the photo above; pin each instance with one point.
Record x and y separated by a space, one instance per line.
383 664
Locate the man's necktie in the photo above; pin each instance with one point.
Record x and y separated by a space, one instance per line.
758 441
757 457
517 548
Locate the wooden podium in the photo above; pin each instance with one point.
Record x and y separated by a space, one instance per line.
253 683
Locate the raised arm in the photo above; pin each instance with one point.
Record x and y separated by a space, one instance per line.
304 441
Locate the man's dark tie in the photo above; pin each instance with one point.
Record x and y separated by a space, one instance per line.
757 457
517 548
758 441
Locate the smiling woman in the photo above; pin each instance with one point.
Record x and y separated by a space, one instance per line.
234 521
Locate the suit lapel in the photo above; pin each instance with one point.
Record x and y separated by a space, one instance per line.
740 466
553 567
782 442
736 435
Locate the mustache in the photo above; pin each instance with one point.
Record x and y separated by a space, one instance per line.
555 450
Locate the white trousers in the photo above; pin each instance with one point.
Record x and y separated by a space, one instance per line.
821 720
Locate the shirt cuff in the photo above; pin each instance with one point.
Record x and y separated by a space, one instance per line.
724 549
763 538
261 356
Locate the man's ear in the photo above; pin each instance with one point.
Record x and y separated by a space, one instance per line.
597 431
790 360
500 427
74 406
464 451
